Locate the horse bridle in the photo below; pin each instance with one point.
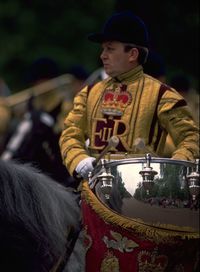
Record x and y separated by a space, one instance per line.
72 237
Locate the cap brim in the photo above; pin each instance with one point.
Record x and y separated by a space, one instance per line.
101 37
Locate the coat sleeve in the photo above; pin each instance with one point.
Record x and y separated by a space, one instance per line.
176 117
72 139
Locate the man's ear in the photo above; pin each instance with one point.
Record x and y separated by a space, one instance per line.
134 54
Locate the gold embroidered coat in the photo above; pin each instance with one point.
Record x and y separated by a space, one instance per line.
131 106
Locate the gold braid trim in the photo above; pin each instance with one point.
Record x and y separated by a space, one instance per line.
156 232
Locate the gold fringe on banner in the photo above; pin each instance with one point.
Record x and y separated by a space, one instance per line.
156 232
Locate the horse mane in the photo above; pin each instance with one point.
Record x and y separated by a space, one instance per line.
36 214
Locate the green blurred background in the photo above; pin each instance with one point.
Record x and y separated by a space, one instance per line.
58 29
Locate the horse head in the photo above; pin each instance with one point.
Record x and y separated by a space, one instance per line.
36 216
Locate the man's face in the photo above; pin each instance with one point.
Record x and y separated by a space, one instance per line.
115 60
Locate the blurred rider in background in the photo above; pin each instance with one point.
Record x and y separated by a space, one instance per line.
35 139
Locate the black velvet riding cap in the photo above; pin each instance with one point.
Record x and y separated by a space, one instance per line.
123 27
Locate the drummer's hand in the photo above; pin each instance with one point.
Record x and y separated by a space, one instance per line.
179 157
85 166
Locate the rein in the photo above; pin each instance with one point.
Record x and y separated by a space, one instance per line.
70 243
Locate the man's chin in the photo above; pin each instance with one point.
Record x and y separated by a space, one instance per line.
109 72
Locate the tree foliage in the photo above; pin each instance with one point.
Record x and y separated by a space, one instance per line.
55 29
59 29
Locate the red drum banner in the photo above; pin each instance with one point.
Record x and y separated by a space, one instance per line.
115 243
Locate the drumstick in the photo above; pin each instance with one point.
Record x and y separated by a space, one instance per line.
112 142
140 144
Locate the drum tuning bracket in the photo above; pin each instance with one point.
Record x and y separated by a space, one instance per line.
148 174
194 181
105 179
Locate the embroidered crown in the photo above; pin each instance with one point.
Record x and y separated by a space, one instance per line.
152 262
115 101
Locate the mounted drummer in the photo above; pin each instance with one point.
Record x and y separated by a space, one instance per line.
128 104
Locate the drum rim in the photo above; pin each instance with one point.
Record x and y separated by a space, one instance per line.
97 170
152 160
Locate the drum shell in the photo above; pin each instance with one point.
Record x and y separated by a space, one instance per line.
168 204
136 237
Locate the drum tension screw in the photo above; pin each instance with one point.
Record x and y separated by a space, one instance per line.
106 180
148 174
194 181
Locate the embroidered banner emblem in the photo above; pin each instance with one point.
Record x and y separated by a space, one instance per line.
110 263
151 261
121 243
